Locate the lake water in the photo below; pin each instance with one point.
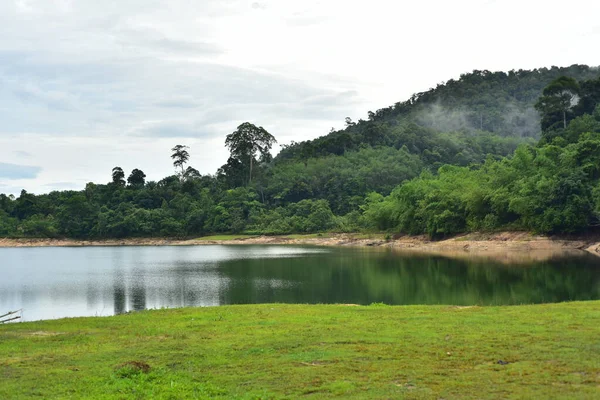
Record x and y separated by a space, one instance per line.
86 281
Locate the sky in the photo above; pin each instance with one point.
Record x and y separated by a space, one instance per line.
87 85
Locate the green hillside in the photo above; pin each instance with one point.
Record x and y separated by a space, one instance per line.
481 101
491 150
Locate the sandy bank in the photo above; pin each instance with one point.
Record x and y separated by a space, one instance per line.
508 246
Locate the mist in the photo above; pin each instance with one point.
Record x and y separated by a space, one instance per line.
514 120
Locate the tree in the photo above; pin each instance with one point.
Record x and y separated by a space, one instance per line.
190 173
590 96
308 151
560 96
180 157
247 141
118 176
75 216
137 178
25 205
232 174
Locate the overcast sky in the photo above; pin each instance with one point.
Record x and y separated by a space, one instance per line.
86 85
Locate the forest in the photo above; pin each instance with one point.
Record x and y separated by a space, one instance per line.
517 150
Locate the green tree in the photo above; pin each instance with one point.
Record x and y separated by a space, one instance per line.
180 157
26 205
559 97
75 217
39 226
137 178
190 173
118 176
247 141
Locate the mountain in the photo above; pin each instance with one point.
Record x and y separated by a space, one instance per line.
501 103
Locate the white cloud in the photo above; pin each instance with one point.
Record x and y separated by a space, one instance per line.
88 85
17 171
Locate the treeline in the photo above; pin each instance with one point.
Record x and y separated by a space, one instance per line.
319 194
395 172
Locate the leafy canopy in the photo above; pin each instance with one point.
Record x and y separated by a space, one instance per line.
247 141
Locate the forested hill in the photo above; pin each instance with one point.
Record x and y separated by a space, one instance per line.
463 156
501 103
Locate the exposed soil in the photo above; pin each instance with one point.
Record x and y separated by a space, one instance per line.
503 246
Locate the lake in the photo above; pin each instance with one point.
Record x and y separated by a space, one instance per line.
55 282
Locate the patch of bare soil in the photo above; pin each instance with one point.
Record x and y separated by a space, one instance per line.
503 246
132 367
43 333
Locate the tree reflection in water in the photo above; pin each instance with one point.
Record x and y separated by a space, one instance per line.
51 283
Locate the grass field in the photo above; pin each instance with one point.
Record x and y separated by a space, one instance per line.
307 351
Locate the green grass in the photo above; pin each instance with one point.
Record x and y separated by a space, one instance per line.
291 351
226 237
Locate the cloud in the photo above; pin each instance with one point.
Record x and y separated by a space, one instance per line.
168 129
64 186
198 48
87 84
305 21
177 102
154 41
22 153
48 96
16 171
23 6
54 99
259 6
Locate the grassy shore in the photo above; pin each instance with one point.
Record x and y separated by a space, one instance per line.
290 351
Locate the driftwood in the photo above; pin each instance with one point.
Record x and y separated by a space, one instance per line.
9 319
9 313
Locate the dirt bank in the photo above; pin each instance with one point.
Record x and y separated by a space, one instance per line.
501 246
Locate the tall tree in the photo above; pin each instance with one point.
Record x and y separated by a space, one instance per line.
136 178
247 141
180 157
118 176
560 96
590 96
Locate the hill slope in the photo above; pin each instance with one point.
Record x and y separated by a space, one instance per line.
497 102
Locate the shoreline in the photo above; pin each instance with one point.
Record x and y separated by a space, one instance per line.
500 246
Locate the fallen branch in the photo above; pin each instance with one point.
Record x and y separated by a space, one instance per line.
9 313
10 319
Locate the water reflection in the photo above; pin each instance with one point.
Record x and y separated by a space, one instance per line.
59 282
